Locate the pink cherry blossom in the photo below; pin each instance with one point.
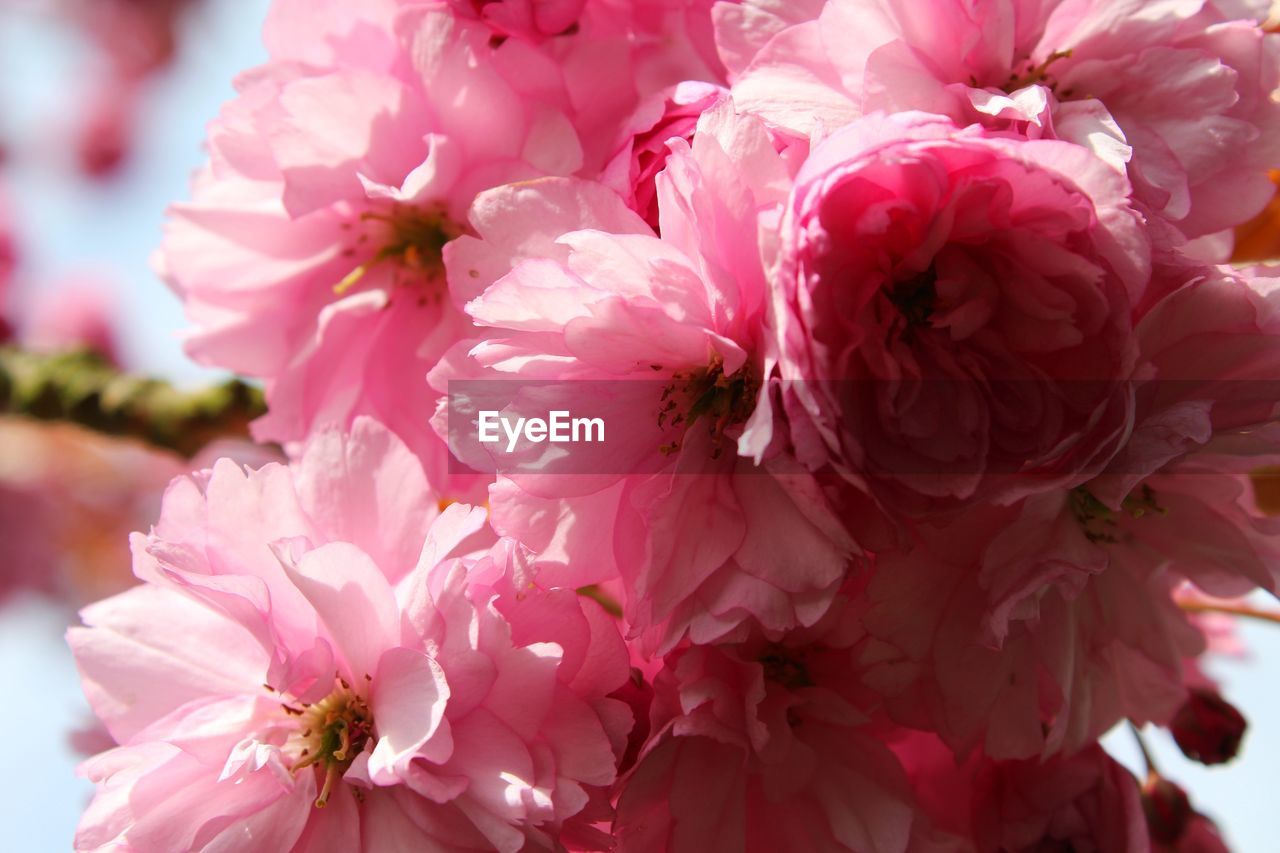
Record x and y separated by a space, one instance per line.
619 55
665 339
1180 92
1208 373
324 666
953 650
1086 801
954 309
310 255
769 740
929 437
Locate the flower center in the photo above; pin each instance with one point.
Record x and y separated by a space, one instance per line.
1100 522
916 297
1032 73
331 733
786 667
707 393
411 238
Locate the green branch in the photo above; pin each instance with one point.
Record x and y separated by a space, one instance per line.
82 388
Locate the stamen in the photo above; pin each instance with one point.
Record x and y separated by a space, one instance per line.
725 401
330 776
344 736
916 297
1036 73
786 667
410 237
1100 522
1095 517
332 733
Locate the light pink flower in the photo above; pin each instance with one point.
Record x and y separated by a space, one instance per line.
618 55
771 742
310 256
954 310
599 58
312 663
664 340
1180 92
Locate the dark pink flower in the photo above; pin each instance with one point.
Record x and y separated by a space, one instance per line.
953 310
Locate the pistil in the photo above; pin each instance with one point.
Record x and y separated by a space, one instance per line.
724 401
411 238
331 733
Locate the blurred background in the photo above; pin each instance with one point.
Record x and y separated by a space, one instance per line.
103 105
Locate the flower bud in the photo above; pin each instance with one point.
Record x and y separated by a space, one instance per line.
1167 808
1207 727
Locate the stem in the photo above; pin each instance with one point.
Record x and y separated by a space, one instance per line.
83 388
1242 610
1150 762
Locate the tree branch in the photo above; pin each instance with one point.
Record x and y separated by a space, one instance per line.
82 388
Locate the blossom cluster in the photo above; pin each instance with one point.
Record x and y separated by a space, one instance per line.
932 402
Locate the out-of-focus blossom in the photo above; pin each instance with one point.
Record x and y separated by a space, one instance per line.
1207 727
70 499
135 40
73 315
8 260
105 137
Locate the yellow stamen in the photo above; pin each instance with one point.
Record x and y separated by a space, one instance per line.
351 279
329 778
